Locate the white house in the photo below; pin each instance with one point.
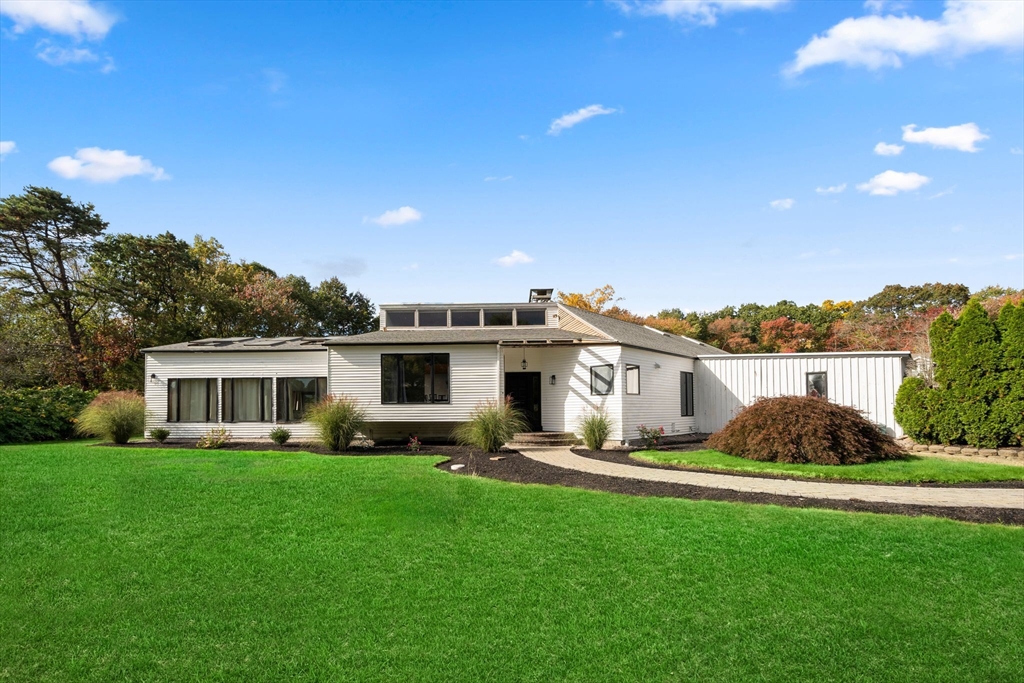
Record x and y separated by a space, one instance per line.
429 365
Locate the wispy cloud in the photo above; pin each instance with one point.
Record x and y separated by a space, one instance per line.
834 189
514 259
1016 150
876 42
6 147
782 204
345 267
274 80
891 183
947 191
494 178
962 137
399 216
1013 257
105 166
886 150
617 34
78 19
567 121
701 12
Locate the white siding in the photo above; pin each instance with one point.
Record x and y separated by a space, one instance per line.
223 364
659 402
355 371
563 403
865 381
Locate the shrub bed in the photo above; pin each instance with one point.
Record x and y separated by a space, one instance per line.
804 429
40 414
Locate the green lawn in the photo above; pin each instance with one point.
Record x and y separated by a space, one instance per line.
141 564
911 469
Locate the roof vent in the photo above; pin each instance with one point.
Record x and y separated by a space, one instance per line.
540 295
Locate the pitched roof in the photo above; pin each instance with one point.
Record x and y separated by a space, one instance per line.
464 335
245 344
631 334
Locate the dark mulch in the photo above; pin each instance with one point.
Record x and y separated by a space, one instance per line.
299 447
625 458
515 467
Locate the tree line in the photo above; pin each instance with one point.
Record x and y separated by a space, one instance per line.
77 304
895 319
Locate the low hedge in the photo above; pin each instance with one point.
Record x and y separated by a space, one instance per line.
40 414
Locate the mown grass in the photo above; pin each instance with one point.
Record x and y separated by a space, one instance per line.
143 564
911 469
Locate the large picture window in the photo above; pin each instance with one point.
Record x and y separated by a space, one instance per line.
602 379
817 384
414 378
296 395
248 399
192 400
632 379
686 394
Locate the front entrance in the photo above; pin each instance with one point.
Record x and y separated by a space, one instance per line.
524 388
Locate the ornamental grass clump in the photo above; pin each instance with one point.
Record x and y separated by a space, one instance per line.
594 429
804 429
491 425
338 419
113 415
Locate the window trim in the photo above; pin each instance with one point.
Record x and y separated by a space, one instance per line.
431 393
807 382
611 383
633 366
686 407
176 382
264 418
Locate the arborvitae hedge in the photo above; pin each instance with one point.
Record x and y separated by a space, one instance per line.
978 397
40 414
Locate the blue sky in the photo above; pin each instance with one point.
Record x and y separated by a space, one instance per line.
413 149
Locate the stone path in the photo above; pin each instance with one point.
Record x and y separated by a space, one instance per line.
906 495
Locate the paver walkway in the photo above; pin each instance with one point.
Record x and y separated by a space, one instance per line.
906 495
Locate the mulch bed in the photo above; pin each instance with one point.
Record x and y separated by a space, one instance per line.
625 458
515 467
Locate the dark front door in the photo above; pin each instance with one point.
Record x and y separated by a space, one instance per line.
524 388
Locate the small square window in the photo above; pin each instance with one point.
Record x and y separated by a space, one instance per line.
817 384
602 380
632 379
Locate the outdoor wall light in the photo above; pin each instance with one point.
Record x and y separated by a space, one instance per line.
657 366
524 364
551 381
153 376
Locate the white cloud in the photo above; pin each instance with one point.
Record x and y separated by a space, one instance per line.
569 120
890 183
948 190
617 34
782 204
274 80
702 12
1016 150
876 41
501 179
514 259
59 56
6 147
400 216
886 150
78 19
104 166
960 137
879 6
834 189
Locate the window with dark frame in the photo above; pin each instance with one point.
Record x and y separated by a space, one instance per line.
817 384
433 318
415 378
686 394
192 400
602 380
401 318
530 316
633 379
466 318
498 318
248 399
296 395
